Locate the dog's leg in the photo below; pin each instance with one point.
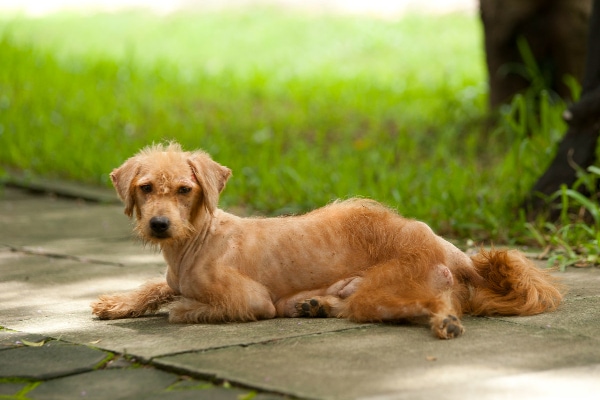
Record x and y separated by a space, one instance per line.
148 298
443 319
229 296
389 292
192 311
318 303
345 287
331 304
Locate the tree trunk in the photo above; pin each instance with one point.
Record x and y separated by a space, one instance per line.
556 31
578 147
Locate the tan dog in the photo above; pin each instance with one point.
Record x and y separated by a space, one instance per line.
355 259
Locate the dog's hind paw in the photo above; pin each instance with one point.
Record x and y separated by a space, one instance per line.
313 308
448 328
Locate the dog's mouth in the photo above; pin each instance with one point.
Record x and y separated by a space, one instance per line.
156 235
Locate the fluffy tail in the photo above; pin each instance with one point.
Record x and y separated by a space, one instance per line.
512 285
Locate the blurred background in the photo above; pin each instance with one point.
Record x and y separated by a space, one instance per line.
307 101
380 8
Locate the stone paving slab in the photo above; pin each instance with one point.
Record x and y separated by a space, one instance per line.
50 360
46 292
33 220
552 384
75 372
106 384
152 336
392 359
577 316
11 388
580 311
10 339
212 393
121 252
61 188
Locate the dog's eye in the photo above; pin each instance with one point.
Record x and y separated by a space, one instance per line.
146 188
184 190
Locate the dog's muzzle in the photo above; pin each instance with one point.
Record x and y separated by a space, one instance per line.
160 226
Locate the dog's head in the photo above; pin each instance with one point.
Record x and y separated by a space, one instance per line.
168 189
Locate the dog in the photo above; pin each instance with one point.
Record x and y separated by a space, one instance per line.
354 259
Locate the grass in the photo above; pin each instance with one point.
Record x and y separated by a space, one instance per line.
304 108
574 240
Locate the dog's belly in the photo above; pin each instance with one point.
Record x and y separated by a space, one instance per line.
282 283
287 272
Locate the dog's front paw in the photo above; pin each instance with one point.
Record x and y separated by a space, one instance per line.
114 307
448 327
312 308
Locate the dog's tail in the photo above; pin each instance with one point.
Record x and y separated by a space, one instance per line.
511 285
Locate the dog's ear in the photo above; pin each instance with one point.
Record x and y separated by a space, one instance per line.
211 176
122 179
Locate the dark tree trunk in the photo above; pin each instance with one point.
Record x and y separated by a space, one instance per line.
556 31
578 147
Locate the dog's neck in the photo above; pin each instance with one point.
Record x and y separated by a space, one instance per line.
175 252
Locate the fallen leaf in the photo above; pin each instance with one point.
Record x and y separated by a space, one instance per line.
247 396
33 344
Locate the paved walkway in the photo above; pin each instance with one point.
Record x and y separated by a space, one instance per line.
57 255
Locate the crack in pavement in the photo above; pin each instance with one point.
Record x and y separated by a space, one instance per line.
45 253
253 343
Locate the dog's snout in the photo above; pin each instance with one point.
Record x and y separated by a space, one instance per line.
159 225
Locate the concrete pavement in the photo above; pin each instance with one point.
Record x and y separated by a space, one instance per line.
57 255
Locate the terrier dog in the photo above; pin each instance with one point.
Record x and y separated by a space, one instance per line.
355 259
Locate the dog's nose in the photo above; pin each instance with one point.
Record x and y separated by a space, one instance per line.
159 224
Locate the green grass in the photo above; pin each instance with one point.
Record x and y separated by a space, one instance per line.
575 239
304 108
